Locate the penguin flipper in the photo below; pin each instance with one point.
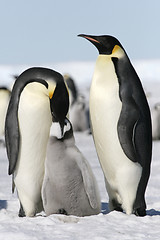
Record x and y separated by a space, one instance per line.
128 121
12 137
89 180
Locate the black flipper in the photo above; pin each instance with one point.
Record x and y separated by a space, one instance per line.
134 123
134 126
128 121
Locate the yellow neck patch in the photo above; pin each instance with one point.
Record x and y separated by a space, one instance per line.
51 94
115 49
51 88
117 52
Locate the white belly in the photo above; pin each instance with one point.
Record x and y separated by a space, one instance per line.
34 124
105 108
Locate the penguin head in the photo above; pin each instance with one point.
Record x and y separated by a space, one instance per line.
59 104
49 83
106 45
57 129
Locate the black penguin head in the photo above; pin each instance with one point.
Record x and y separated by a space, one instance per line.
105 44
59 104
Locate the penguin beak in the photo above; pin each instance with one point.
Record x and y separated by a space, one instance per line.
62 127
92 39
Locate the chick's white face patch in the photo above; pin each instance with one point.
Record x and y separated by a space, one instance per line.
67 127
56 128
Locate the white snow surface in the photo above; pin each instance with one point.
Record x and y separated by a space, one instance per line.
106 225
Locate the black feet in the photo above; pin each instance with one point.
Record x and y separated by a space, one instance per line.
141 212
62 211
21 211
117 206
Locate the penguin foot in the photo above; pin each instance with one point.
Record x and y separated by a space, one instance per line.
21 212
62 211
141 212
116 206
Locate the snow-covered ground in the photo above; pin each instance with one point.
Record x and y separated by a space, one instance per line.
106 225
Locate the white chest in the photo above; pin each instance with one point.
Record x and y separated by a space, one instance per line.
34 124
105 108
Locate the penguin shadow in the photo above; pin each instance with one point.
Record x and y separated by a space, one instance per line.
152 212
3 204
104 208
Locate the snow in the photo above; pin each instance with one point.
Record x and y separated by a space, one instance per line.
106 225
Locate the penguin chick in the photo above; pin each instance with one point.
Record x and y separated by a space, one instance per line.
69 186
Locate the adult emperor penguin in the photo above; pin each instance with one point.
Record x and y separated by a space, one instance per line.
4 101
121 124
37 95
69 185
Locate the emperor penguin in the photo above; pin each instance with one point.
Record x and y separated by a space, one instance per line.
121 125
4 101
78 106
155 115
69 186
38 93
73 91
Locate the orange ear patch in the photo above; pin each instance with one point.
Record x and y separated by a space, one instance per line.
115 49
51 94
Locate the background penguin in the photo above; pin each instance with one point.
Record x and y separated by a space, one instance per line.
72 89
4 101
155 114
28 121
69 185
78 107
121 125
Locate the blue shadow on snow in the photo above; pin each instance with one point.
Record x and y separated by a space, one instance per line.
152 212
104 208
3 204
